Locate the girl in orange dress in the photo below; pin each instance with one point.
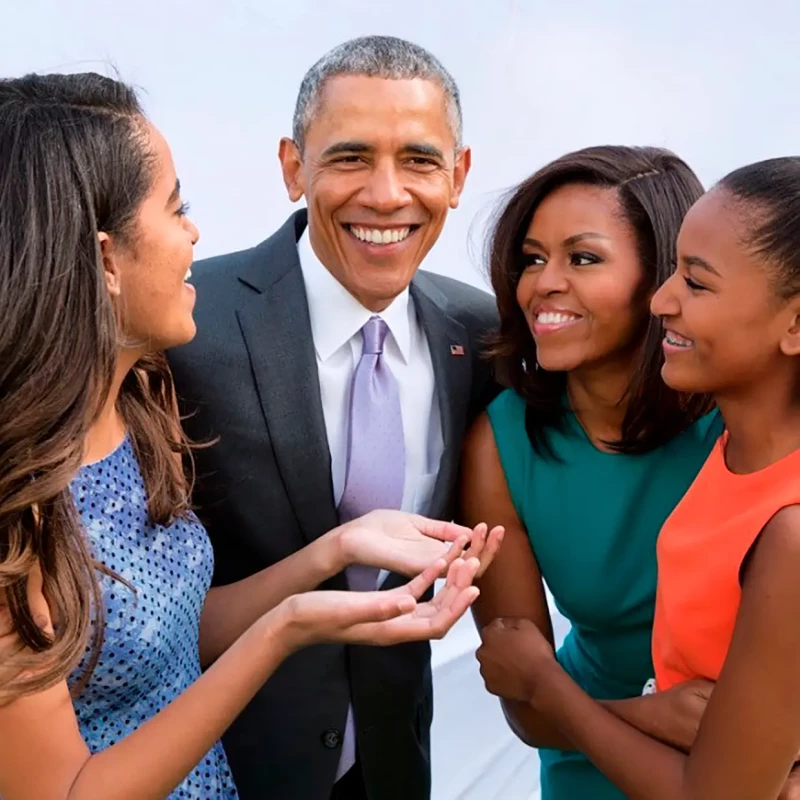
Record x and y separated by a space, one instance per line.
728 601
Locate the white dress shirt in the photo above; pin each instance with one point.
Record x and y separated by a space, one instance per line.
336 322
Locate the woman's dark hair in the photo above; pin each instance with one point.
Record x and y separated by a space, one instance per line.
771 191
655 190
74 161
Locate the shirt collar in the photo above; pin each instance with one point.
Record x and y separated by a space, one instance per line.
336 316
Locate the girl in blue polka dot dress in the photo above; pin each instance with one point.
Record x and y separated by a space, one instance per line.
106 615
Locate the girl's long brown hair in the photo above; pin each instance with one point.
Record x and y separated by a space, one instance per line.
74 161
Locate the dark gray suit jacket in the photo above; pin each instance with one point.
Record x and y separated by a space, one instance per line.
264 491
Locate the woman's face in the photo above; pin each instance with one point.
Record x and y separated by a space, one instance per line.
148 274
725 325
581 290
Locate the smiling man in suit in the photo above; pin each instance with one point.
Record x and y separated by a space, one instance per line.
340 378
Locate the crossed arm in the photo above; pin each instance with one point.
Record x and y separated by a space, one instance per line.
512 587
748 737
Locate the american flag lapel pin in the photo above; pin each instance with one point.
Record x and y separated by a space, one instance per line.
456 350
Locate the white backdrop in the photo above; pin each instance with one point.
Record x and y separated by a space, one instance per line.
715 80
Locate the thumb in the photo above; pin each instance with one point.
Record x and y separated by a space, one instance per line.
375 607
419 585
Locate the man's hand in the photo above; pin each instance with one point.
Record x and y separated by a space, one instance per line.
409 543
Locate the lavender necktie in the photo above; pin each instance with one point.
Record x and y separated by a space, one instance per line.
376 454
376 465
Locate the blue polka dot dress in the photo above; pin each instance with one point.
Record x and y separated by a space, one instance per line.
150 650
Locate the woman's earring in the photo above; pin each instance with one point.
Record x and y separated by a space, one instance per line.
525 365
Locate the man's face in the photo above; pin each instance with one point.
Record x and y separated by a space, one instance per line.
379 171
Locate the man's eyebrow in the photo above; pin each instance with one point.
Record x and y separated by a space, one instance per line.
346 147
424 150
412 148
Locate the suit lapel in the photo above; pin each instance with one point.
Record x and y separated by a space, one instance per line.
452 373
276 328
449 345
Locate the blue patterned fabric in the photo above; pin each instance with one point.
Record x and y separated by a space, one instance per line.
150 649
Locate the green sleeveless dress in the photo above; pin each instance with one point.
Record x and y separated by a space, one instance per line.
592 518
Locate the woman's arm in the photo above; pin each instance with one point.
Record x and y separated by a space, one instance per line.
42 754
393 540
672 717
512 587
749 736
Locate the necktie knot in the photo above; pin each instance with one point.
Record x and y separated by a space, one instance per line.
374 335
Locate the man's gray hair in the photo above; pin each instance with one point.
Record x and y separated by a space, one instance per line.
375 57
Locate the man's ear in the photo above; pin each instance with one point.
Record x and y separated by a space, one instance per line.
292 168
460 172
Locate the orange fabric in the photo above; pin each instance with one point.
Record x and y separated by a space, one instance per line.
700 551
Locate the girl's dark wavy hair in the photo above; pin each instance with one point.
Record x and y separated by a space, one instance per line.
655 190
74 161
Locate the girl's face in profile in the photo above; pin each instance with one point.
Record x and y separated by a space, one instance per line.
725 322
148 274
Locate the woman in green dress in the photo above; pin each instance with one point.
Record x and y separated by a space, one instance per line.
586 452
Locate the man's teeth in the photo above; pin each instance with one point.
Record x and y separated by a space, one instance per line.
554 318
375 236
676 340
188 274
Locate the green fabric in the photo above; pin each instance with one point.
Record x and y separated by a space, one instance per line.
592 519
